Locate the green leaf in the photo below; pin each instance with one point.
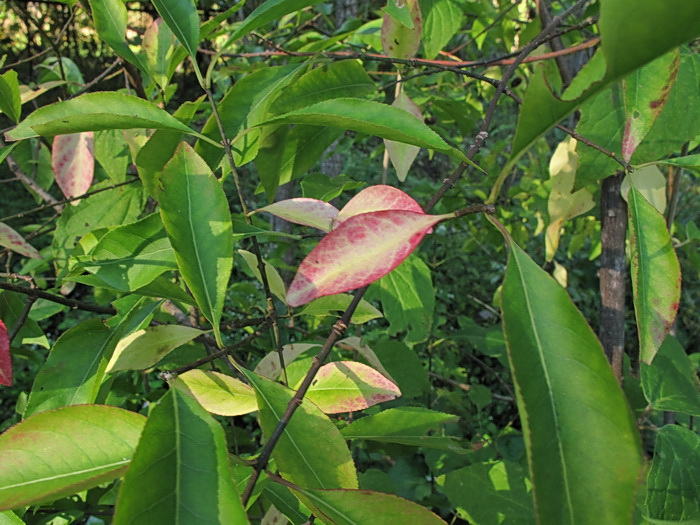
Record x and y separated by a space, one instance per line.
368 117
245 105
651 184
352 507
268 12
325 188
130 257
10 518
408 300
403 155
65 451
336 304
646 92
196 217
158 46
181 17
311 452
656 274
274 279
490 493
217 393
566 389
673 493
690 161
671 23
347 386
346 78
180 471
11 308
110 22
669 383
10 101
404 367
405 426
144 348
95 112
442 20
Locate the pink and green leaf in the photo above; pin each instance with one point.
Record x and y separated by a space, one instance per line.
348 386
363 249
73 162
304 211
5 356
9 238
402 28
656 274
377 198
646 92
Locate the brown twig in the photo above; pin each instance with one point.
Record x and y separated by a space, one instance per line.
72 303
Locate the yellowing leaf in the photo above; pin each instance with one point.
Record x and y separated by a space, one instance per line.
269 366
217 393
650 182
305 211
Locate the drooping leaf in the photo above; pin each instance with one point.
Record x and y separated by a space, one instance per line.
305 211
10 101
347 386
673 493
5 356
368 117
144 348
672 24
274 280
442 20
413 426
346 78
335 305
158 46
64 451
670 383
196 217
408 299
132 256
556 359
95 112
655 272
9 238
350 507
646 92
401 36
403 155
181 452
490 493
110 18
73 162
217 393
377 198
301 456
181 17
269 366
355 254
564 203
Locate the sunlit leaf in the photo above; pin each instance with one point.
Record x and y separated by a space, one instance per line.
64 451
159 45
269 366
10 101
196 217
650 183
180 470
110 22
9 238
144 348
351 507
656 274
399 39
5 356
377 198
361 250
73 163
335 305
646 93
267 12
403 155
347 386
217 393
311 452
566 389
356 344
302 210
181 17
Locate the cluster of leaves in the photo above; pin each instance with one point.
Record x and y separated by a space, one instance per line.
186 381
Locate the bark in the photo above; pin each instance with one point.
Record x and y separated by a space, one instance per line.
613 210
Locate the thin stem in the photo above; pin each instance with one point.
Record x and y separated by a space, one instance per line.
72 303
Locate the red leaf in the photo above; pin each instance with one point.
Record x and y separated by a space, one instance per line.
363 249
9 238
5 357
73 162
377 198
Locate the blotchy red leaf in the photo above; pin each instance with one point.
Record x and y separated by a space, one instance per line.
73 162
363 249
9 238
377 198
5 357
